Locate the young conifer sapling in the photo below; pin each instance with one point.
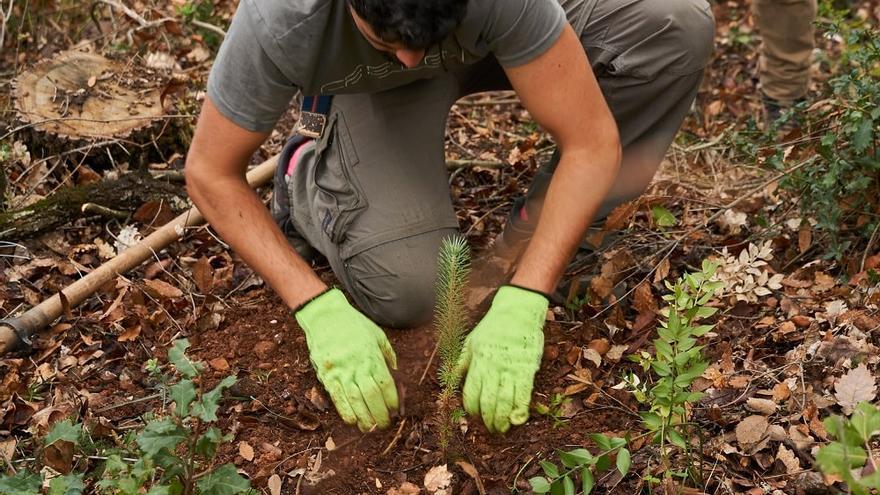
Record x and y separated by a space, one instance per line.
450 323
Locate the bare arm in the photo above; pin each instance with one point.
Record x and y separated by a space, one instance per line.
215 178
562 94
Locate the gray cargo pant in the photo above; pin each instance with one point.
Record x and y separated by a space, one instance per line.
372 195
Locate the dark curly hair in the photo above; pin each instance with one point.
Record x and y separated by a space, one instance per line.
415 23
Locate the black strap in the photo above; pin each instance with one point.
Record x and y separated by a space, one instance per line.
301 306
533 291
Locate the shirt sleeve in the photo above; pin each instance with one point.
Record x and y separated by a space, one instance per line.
245 84
522 30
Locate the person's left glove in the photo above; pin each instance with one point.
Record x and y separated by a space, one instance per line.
351 355
502 355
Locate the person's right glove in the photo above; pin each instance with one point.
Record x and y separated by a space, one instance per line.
349 353
502 355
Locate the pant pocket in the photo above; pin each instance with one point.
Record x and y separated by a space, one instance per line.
337 196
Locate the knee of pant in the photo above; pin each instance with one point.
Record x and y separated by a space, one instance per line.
393 283
689 28
404 300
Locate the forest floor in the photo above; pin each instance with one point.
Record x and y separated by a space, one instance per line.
778 350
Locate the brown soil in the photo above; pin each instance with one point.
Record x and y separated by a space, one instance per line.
358 460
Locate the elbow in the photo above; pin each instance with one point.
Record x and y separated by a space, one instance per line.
195 175
607 150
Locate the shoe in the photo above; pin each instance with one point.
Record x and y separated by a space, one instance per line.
513 239
519 230
783 118
280 205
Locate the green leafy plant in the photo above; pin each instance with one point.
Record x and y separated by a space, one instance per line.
200 12
581 465
450 323
173 454
554 409
838 185
850 452
21 483
676 362
663 217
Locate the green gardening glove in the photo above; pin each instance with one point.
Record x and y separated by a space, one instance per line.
349 353
502 355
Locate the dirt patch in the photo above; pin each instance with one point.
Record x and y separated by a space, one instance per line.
268 351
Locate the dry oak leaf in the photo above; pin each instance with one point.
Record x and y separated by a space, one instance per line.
856 386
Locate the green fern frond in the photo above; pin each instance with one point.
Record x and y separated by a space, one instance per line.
450 314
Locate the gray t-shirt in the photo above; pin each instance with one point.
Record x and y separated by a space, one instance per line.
275 48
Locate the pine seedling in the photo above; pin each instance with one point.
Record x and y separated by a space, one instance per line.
450 323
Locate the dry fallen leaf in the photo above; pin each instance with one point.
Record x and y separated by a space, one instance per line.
781 392
801 440
856 386
471 471
593 356
750 431
761 406
787 457
406 488
219 364
7 450
203 274
274 484
246 451
130 334
616 353
162 290
438 479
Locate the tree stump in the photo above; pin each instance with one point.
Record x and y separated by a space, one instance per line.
88 102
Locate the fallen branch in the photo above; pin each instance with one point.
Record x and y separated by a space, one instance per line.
19 330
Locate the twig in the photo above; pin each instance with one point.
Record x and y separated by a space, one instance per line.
697 147
430 360
395 439
103 211
483 217
127 11
169 175
7 14
209 27
454 164
868 248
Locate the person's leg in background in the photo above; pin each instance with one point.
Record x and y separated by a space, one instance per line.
649 57
788 37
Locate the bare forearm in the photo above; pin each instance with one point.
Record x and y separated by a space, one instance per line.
579 184
235 211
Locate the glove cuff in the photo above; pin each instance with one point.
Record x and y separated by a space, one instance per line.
314 298
533 291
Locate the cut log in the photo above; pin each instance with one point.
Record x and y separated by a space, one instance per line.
76 99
